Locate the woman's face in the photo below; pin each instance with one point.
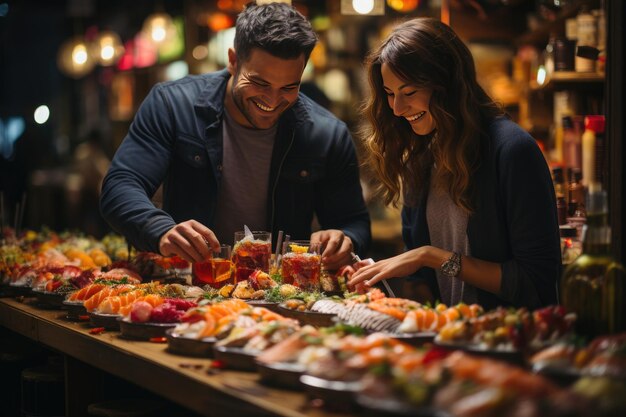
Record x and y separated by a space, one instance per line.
408 101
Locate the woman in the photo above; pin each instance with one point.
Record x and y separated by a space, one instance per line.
479 218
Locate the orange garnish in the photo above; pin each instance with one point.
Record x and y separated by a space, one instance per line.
298 248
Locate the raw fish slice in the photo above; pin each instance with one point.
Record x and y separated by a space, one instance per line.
86 293
112 305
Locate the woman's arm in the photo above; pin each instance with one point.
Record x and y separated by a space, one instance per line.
481 274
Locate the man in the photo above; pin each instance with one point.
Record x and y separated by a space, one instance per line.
240 146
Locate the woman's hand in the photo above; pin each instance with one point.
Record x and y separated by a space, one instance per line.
398 266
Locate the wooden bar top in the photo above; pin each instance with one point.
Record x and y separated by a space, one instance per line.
189 382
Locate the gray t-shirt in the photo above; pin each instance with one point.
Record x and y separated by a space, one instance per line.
242 198
447 226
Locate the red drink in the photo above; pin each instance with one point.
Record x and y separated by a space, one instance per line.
249 255
215 272
302 270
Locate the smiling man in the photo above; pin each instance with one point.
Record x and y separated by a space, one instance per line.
240 146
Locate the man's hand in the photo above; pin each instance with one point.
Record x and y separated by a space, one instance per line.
190 240
337 247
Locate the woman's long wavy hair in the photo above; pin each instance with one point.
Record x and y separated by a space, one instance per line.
428 54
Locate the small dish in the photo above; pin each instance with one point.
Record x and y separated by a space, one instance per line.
236 358
185 346
563 376
270 305
281 374
18 290
49 299
394 407
512 356
331 392
75 309
142 331
308 317
108 321
414 339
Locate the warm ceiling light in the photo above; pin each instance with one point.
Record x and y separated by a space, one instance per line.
363 7
74 59
159 28
219 21
107 48
403 6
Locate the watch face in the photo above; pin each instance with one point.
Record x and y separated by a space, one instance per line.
452 266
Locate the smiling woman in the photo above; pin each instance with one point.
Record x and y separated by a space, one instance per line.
409 101
479 218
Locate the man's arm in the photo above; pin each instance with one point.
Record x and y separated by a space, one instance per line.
138 168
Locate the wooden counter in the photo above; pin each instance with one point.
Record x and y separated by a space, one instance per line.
179 379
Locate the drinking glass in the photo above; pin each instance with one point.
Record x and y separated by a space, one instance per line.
301 264
251 252
215 271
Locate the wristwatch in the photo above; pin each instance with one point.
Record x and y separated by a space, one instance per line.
452 266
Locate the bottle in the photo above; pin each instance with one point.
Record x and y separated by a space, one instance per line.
559 189
575 194
571 144
593 147
576 213
588 155
593 285
587 36
597 124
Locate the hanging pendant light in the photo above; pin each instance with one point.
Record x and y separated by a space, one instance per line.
403 6
107 48
159 28
74 59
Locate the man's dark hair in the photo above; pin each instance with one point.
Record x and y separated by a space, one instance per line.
276 28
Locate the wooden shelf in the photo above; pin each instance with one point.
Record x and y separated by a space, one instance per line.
562 78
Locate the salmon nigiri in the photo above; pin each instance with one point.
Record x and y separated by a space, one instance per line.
86 292
152 299
112 304
95 300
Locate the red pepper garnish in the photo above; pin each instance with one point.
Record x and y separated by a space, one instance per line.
217 364
434 355
158 339
97 330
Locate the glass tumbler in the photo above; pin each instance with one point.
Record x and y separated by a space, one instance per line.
251 252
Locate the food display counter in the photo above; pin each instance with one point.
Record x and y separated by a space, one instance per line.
189 382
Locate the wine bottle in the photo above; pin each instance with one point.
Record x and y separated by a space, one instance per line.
593 285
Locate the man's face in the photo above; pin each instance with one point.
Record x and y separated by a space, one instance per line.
262 87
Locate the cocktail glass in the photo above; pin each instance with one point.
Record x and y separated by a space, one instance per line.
251 252
216 271
301 264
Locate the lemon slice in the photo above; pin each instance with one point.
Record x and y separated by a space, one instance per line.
299 248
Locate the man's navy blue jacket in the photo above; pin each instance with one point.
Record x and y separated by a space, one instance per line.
176 139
